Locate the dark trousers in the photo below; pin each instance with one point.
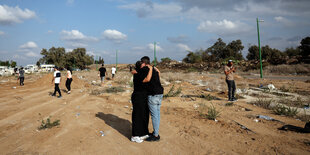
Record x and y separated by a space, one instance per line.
57 89
21 81
231 89
140 114
68 84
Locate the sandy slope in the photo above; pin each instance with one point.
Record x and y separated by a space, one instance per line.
82 116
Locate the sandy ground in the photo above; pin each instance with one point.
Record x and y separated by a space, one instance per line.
183 131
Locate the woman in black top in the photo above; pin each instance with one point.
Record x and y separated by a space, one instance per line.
140 113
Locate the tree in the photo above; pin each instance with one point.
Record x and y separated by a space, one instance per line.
271 55
305 48
192 57
233 50
165 60
217 50
38 63
253 53
291 52
13 64
76 58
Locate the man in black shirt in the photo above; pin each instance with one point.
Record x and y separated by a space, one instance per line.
21 76
155 95
102 73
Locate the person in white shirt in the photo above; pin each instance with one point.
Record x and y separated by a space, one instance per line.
69 80
57 79
113 72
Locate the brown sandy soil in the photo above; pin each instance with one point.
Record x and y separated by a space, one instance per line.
183 131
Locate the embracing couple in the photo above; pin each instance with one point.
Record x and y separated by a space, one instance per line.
146 98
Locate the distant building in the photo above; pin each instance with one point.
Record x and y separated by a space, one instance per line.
47 68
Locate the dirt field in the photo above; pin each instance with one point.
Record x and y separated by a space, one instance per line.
87 111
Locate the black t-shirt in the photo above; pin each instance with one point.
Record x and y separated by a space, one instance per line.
154 87
138 78
102 71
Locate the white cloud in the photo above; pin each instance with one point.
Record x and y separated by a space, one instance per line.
11 15
32 54
150 46
1 33
183 47
29 45
224 27
75 38
50 31
284 21
114 35
76 35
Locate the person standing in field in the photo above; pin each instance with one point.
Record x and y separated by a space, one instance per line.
69 79
56 79
155 95
229 70
21 76
140 111
113 72
102 73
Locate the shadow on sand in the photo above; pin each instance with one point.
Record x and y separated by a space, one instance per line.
123 126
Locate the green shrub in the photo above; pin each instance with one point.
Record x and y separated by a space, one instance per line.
173 93
114 90
262 102
48 124
283 110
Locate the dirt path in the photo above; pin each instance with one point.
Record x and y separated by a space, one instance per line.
183 131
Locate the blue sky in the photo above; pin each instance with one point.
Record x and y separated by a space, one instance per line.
130 26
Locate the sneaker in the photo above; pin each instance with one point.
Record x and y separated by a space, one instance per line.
53 95
136 139
234 99
69 92
153 138
144 137
59 96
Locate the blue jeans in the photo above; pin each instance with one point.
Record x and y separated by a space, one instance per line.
154 102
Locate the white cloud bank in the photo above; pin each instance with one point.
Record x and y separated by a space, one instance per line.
183 47
114 35
76 39
224 27
29 45
11 15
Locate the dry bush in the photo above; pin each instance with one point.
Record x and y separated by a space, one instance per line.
289 69
284 110
212 112
262 102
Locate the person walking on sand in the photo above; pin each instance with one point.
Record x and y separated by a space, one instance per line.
229 70
102 73
155 95
57 80
21 76
140 112
69 80
113 72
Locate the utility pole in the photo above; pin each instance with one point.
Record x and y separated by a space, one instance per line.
260 53
154 53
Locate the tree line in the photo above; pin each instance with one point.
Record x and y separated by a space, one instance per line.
7 63
77 58
220 51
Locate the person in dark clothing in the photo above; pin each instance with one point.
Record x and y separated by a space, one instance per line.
21 76
69 79
57 79
102 73
155 95
140 113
